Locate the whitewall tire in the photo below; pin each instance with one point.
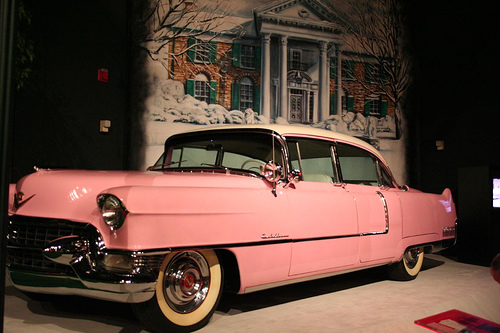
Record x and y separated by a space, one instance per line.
409 266
187 292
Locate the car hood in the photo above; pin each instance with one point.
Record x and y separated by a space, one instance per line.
71 194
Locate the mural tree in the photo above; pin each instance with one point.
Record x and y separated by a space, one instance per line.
25 47
375 32
168 26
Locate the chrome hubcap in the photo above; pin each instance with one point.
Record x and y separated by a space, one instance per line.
186 281
411 257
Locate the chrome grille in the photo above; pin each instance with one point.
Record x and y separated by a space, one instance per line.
148 262
27 236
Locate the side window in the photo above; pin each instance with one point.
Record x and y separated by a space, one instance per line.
314 159
357 166
385 179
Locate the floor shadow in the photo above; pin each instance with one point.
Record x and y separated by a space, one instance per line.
75 307
298 291
303 290
431 263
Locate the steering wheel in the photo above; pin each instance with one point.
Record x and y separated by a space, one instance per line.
252 160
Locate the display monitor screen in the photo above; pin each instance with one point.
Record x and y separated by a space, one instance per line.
496 192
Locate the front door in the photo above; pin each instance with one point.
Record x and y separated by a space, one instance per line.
323 215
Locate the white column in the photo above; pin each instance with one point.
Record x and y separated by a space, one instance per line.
265 90
283 111
338 81
324 83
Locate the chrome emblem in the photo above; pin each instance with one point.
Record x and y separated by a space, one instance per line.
271 236
19 199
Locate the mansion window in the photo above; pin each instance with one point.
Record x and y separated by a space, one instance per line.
375 107
344 104
202 88
295 59
348 69
374 73
202 51
244 95
246 56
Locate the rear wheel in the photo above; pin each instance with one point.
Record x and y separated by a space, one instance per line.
187 293
409 266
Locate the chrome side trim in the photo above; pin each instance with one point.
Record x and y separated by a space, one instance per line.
307 278
386 213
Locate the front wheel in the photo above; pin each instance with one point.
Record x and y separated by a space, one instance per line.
188 290
409 266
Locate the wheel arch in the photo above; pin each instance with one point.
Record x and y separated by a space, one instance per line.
232 281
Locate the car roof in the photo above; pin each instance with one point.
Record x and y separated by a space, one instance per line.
300 130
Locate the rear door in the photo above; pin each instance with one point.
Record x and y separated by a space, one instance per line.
377 201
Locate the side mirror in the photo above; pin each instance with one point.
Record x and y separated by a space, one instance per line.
271 172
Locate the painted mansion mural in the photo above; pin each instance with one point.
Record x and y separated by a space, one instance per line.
304 62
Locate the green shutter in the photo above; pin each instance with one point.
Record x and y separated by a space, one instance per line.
213 52
213 92
383 108
332 104
333 67
350 103
236 55
367 107
190 87
191 49
235 96
257 57
256 98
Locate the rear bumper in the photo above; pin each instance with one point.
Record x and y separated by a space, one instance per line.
442 245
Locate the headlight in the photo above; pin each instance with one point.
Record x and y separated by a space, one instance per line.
112 210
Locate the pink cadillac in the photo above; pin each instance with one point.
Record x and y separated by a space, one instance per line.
237 209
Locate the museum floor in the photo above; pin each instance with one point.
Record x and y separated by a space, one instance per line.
363 301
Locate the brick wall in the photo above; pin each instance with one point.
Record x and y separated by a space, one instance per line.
224 73
355 89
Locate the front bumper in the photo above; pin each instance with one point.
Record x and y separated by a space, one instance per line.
62 257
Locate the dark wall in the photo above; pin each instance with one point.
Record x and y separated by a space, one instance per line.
454 98
57 113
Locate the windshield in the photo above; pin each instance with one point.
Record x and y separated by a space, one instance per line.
220 150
